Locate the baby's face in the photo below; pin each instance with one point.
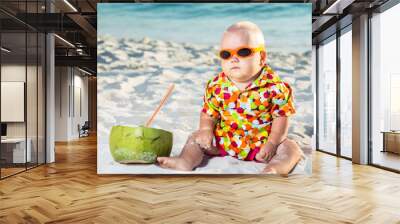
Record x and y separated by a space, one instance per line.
238 68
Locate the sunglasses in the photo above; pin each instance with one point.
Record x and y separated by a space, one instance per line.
242 52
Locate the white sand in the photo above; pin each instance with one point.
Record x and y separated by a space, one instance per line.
133 75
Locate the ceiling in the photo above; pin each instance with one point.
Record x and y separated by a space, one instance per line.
76 22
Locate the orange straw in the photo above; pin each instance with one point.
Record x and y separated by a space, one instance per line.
164 99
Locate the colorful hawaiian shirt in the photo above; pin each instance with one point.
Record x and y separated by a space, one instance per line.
244 118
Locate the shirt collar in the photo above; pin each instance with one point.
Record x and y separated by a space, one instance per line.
266 76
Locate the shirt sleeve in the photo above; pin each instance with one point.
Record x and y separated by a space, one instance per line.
210 102
282 100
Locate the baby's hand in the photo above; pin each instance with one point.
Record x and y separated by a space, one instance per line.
204 138
267 151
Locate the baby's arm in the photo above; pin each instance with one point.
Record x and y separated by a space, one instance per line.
205 133
279 130
206 122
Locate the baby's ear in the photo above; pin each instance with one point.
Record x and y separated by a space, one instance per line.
263 57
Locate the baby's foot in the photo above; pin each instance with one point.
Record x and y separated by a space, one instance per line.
269 170
175 163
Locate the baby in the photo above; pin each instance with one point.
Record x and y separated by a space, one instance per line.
245 110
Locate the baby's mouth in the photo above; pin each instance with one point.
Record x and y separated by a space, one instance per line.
235 67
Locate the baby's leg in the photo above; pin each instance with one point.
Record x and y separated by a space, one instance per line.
287 156
191 156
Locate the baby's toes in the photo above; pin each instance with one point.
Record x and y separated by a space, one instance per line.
168 162
161 160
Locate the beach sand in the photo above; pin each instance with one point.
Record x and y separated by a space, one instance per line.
133 75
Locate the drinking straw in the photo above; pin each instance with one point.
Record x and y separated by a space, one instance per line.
162 102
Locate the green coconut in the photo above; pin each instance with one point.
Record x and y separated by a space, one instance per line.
139 144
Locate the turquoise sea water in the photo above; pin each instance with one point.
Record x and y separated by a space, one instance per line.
286 27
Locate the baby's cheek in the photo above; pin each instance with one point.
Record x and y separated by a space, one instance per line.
251 64
224 66
226 70
249 69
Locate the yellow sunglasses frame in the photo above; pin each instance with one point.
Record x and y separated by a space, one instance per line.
234 51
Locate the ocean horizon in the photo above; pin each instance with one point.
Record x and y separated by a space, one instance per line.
286 27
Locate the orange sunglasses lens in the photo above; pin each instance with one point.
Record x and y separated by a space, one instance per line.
241 52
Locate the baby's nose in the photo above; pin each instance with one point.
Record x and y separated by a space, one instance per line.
234 59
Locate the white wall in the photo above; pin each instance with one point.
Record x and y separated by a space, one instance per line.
13 101
62 81
16 73
70 83
33 127
80 100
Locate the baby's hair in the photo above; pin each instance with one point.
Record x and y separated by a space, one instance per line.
253 32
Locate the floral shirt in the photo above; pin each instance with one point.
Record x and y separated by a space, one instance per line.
244 118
